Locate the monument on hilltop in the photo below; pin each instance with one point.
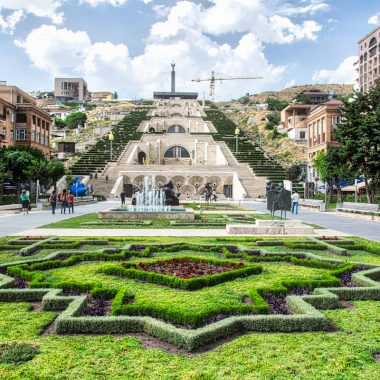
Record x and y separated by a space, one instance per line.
173 94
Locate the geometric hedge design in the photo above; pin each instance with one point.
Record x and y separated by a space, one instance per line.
305 316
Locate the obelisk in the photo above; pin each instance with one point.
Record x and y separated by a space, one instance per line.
173 78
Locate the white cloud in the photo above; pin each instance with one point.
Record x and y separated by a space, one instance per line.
8 23
375 19
186 35
344 74
40 8
95 3
311 8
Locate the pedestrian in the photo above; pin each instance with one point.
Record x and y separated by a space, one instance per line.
70 201
63 199
91 189
53 201
25 201
106 177
122 198
90 175
295 199
96 175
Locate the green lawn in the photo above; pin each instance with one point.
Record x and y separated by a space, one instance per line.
345 353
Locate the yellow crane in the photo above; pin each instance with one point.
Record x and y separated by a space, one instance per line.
213 79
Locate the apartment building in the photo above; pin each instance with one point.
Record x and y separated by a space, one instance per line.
6 122
71 90
321 123
369 60
31 125
294 122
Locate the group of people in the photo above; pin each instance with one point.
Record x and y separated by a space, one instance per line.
67 201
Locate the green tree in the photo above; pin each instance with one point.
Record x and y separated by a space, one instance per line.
293 173
359 136
74 119
59 123
115 95
16 162
302 99
273 120
332 169
276 104
38 170
56 169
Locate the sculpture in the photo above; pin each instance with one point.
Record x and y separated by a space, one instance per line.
278 199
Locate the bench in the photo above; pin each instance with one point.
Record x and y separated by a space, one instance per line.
368 211
312 204
11 207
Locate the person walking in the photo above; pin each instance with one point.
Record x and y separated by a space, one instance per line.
295 199
53 201
25 201
64 203
122 198
70 202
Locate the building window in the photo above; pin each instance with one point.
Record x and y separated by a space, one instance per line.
302 135
20 134
176 129
34 119
335 120
177 152
21 118
33 135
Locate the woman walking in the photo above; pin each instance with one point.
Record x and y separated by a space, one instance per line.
25 202
63 199
53 201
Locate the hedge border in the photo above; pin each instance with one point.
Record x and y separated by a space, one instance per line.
306 317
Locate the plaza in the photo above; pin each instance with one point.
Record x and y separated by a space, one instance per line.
190 190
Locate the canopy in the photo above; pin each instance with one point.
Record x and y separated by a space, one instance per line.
351 188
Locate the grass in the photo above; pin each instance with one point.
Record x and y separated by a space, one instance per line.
344 354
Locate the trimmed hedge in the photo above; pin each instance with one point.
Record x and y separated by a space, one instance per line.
130 270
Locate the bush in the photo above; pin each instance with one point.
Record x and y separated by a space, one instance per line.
17 353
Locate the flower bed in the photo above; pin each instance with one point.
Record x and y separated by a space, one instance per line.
187 267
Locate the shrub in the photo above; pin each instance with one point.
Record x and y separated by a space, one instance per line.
17 353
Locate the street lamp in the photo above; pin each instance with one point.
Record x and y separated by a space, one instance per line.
237 133
111 137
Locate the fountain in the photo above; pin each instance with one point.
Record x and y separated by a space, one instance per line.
151 202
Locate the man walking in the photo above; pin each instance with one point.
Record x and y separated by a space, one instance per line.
70 202
295 198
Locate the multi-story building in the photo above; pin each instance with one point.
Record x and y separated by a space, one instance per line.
369 59
6 122
294 121
31 125
321 122
71 90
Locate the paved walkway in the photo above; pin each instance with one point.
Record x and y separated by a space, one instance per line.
27 224
188 233
12 224
355 227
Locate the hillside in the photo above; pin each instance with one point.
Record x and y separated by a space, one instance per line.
290 93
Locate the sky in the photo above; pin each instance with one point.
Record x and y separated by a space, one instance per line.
127 45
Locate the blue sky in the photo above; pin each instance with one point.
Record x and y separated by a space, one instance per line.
127 45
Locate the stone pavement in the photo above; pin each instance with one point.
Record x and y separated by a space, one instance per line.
12 224
183 232
355 227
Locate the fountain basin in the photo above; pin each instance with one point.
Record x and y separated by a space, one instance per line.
125 214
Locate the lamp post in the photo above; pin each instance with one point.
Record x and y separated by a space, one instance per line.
237 133
111 137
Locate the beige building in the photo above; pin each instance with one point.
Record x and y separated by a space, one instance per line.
369 59
6 122
294 122
321 123
31 125
71 90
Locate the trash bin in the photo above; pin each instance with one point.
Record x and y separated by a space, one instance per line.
41 204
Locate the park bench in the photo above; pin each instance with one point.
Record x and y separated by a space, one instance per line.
359 210
11 207
312 204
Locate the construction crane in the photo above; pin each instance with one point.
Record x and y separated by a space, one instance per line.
213 79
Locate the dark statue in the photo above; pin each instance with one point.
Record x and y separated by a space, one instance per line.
209 193
278 199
